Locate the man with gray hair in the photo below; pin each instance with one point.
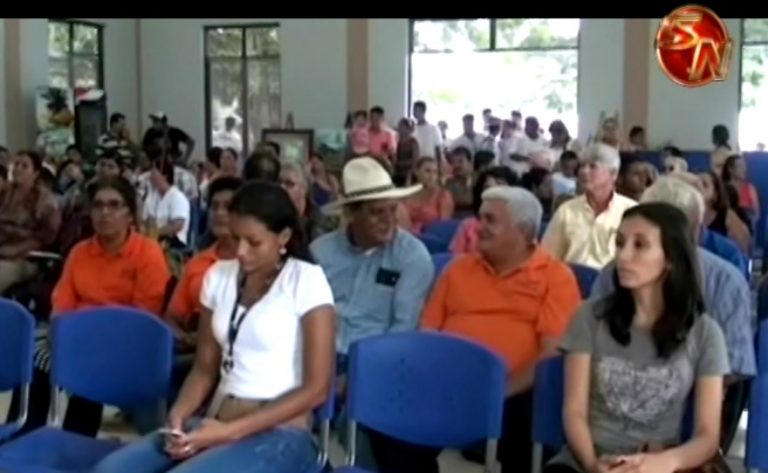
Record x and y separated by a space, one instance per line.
512 297
583 229
726 296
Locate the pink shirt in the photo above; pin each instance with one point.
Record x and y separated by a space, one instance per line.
423 212
465 240
383 141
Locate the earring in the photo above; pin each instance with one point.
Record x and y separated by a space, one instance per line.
282 251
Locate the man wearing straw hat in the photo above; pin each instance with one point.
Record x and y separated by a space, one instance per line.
379 273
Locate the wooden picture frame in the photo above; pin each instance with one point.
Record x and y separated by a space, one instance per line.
295 144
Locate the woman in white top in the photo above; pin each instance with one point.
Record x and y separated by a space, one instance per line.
266 339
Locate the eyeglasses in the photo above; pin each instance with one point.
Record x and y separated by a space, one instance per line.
109 206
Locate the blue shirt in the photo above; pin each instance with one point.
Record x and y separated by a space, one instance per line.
725 248
376 291
727 300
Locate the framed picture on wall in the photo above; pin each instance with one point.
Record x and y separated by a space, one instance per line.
294 144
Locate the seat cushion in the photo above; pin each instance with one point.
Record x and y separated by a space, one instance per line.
6 430
55 449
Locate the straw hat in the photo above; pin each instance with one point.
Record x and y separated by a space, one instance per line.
365 179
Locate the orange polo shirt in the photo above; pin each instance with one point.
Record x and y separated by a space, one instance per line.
186 297
135 276
509 313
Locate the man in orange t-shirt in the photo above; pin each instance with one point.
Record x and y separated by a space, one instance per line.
512 297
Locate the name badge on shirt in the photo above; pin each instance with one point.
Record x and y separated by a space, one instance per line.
387 277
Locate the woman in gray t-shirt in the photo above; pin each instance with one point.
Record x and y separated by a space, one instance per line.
633 358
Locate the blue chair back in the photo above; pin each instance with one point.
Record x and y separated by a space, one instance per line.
17 345
757 172
548 397
698 161
434 245
113 355
443 230
427 388
652 157
440 261
195 214
757 429
585 276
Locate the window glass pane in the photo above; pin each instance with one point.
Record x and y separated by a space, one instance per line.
262 41
225 42
58 39
86 39
225 92
58 73
451 35
264 107
86 72
756 30
754 97
545 85
537 33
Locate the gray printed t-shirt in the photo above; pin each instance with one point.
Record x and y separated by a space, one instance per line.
636 397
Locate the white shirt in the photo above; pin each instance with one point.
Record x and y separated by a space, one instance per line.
428 136
472 144
164 209
228 139
267 353
523 145
182 178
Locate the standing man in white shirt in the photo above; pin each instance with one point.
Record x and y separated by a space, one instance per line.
428 135
470 139
229 137
530 144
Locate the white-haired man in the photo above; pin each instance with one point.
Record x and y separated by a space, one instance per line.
512 297
726 296
583 229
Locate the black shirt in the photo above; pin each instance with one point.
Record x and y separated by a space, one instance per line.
153 138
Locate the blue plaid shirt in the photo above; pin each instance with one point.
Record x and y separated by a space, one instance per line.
376 291
727 300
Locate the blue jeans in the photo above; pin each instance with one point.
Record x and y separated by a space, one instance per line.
279 450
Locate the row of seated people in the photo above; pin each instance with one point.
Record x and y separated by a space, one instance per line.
512 296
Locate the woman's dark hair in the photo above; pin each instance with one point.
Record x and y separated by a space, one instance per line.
214 156
721 136
223 184
34 157
270 204
3 172
499 173
263 166
47 179
673 151
681 289
116 117
728 167
62 167
533 179
636 130
483 159
112 154
232 151
275 146
721 203
166 168
120 185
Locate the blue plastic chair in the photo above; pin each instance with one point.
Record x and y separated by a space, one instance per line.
323 416
761 350
585 276
112 355
434 245
757 429
548 396
17 347
440 261
443 230
427 388
698 161
762 301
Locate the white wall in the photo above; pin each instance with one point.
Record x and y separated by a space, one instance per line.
686 116
121 72
33 69
601 71
313 71
388 60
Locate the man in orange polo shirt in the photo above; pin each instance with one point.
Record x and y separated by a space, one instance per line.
512 297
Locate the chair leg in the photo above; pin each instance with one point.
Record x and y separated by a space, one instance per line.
537 458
